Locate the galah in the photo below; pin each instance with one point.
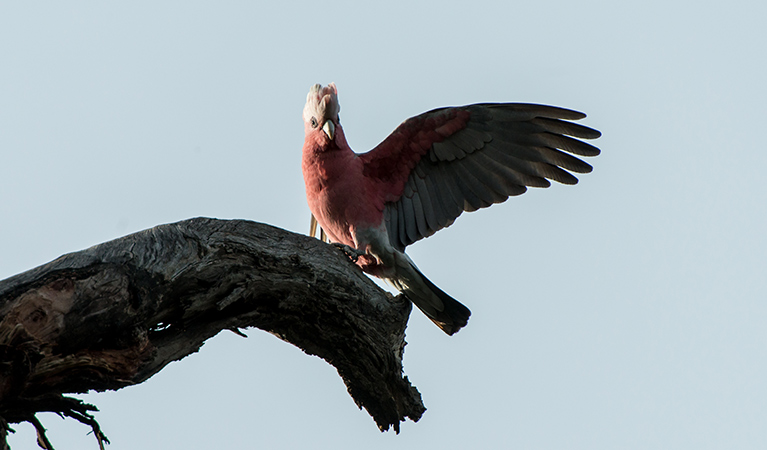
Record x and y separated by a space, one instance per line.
433 167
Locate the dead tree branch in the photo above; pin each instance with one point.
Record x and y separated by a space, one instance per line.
115 314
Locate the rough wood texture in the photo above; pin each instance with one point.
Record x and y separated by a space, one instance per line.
115 314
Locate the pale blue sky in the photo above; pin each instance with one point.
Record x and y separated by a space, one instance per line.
625 312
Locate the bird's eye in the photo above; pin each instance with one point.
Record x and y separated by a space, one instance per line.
338 119
314 123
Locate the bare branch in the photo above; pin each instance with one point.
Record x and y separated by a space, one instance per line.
115 314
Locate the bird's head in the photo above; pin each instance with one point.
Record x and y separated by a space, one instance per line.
321 110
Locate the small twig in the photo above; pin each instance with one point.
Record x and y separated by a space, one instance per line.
4 429
238 332
64 407
85 418
42 439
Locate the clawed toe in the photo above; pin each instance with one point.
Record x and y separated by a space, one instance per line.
352 253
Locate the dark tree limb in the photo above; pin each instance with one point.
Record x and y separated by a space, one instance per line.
115 314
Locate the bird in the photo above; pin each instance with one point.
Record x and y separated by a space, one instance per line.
426 173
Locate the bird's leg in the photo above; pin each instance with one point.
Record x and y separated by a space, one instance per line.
350 252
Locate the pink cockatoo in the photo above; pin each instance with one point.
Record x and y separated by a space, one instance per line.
432 168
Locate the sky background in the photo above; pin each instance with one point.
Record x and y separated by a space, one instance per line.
625 312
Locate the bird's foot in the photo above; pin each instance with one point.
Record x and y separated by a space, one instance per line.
352 253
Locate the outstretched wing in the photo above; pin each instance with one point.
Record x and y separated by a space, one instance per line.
437 165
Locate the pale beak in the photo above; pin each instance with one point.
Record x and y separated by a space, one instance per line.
329 129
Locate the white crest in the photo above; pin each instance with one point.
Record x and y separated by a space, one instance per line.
322 103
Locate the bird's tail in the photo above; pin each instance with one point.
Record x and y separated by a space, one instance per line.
447 313
454 314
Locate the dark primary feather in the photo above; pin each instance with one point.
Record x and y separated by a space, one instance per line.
489 152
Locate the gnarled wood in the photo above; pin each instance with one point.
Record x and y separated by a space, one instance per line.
115 314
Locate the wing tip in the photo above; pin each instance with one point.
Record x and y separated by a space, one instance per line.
593 134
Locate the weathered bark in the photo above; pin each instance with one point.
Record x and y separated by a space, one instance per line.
115 314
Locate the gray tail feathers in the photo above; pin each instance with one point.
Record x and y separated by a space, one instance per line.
452 317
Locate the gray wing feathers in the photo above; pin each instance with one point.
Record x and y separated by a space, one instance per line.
503 149
408 216
566 128
430 206
449 194
446 151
